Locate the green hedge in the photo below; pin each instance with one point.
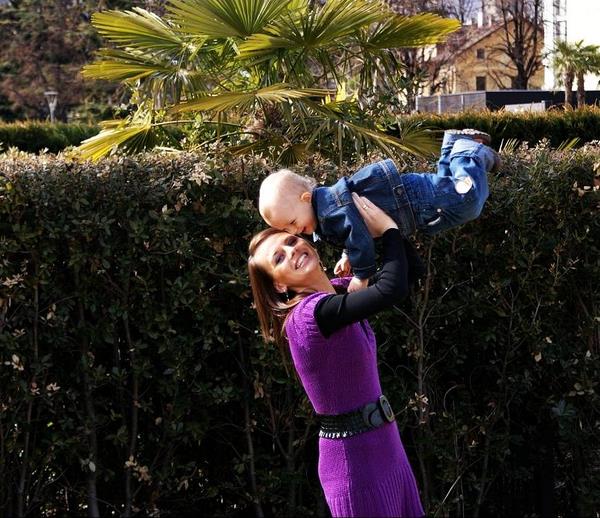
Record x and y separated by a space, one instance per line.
36 136
555 126
132 375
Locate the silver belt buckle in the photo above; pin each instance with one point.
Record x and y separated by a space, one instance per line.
386 409
376 414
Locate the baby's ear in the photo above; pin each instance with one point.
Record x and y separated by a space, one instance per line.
306 196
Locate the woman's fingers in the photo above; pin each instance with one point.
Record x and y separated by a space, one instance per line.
367 209
377 220
362 204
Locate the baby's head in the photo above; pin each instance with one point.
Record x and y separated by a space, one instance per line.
285 202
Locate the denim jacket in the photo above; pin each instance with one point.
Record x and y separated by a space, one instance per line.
338 218
426 202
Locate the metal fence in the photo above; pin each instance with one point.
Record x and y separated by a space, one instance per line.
499 99
451 102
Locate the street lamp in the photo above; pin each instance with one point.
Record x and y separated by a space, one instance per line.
52 98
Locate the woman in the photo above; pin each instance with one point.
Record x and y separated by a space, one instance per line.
362 464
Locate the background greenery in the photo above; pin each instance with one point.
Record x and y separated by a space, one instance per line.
44 46
36 136
133 378
556 127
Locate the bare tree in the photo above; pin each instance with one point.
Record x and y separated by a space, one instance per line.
423 66
522 22
463 10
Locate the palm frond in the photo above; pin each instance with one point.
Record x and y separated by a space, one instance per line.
117 65
131 66
117 71
293 154
250 147
568 144
108 140
138 29
338 120
509 146
335 20
132 134
409 31
278 93
411 140
225 18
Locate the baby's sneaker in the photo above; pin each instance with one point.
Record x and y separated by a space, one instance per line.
492 159
473 134
494 162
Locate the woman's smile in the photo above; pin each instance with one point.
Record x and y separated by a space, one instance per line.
300 261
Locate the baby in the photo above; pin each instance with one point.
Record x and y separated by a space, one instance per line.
429 202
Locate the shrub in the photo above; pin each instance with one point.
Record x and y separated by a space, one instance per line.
533 127
555 126
131 369
36 136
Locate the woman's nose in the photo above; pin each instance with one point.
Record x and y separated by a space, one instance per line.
290 250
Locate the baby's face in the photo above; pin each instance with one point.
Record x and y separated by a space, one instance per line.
294 215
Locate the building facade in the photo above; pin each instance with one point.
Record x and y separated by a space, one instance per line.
481 64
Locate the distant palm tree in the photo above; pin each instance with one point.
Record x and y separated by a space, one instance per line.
266 74
574 61
588 62
564 56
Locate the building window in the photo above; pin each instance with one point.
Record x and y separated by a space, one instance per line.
560 30
480 53
480 83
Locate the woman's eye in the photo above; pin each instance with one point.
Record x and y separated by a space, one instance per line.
278 259
291 240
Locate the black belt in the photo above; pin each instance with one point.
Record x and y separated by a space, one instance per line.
366 418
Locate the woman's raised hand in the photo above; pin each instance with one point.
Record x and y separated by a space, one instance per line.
377 220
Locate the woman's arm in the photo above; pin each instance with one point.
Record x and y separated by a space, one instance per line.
415 265
336 311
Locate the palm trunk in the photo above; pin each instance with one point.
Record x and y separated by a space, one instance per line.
580 89
569 77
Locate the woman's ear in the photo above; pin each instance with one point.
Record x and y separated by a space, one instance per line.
306 196
280 288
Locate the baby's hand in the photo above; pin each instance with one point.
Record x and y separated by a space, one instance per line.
357 284
343 267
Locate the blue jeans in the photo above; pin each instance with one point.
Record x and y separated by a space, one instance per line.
443 165
452 196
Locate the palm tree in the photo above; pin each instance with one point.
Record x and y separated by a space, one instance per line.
564 57
574 61
588 62
265 74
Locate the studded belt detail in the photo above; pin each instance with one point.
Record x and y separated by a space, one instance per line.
366 418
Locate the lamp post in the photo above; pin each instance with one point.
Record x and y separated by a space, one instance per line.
52 98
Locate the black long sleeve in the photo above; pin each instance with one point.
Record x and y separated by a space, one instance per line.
390 286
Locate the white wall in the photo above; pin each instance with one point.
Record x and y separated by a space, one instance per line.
583 23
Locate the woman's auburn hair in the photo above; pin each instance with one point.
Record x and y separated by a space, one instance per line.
272 307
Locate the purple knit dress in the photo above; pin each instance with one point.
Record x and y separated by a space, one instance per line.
367 474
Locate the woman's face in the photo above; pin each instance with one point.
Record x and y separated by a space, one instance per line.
290 261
